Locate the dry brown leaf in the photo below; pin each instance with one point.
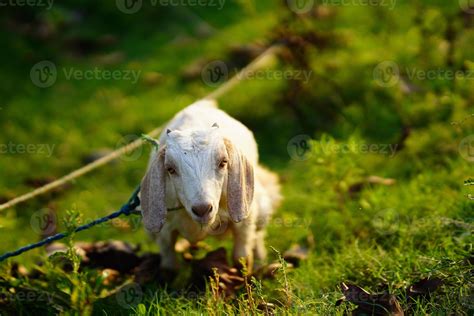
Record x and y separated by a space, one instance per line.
370 304
229 278
423 288
296 254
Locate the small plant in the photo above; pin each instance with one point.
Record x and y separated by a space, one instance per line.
283 280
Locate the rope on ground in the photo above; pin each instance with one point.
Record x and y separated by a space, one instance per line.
257 63
126 209
79 172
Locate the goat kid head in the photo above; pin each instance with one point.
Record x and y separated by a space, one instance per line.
205 170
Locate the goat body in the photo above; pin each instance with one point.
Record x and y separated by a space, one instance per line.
208 165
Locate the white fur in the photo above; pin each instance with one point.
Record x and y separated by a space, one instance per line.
194 146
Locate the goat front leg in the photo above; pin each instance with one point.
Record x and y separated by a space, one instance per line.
259 251
166 240
244 238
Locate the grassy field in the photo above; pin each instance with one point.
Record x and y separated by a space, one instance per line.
373 147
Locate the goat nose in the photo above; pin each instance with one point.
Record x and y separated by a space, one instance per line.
202 209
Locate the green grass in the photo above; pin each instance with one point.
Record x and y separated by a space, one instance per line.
381 237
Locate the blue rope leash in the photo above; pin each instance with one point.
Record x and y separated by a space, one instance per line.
126 209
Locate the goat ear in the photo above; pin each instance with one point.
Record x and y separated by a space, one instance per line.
240 184
152 194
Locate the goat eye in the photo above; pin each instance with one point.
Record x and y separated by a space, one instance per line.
171 170
222 164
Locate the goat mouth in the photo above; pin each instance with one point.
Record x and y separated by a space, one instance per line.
206 220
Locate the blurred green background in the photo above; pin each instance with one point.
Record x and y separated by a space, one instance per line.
380 76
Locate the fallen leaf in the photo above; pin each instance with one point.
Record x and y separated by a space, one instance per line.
115 255
370 304
229 277
423 288
149 268
295 255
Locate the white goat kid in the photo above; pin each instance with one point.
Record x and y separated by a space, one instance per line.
208 164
